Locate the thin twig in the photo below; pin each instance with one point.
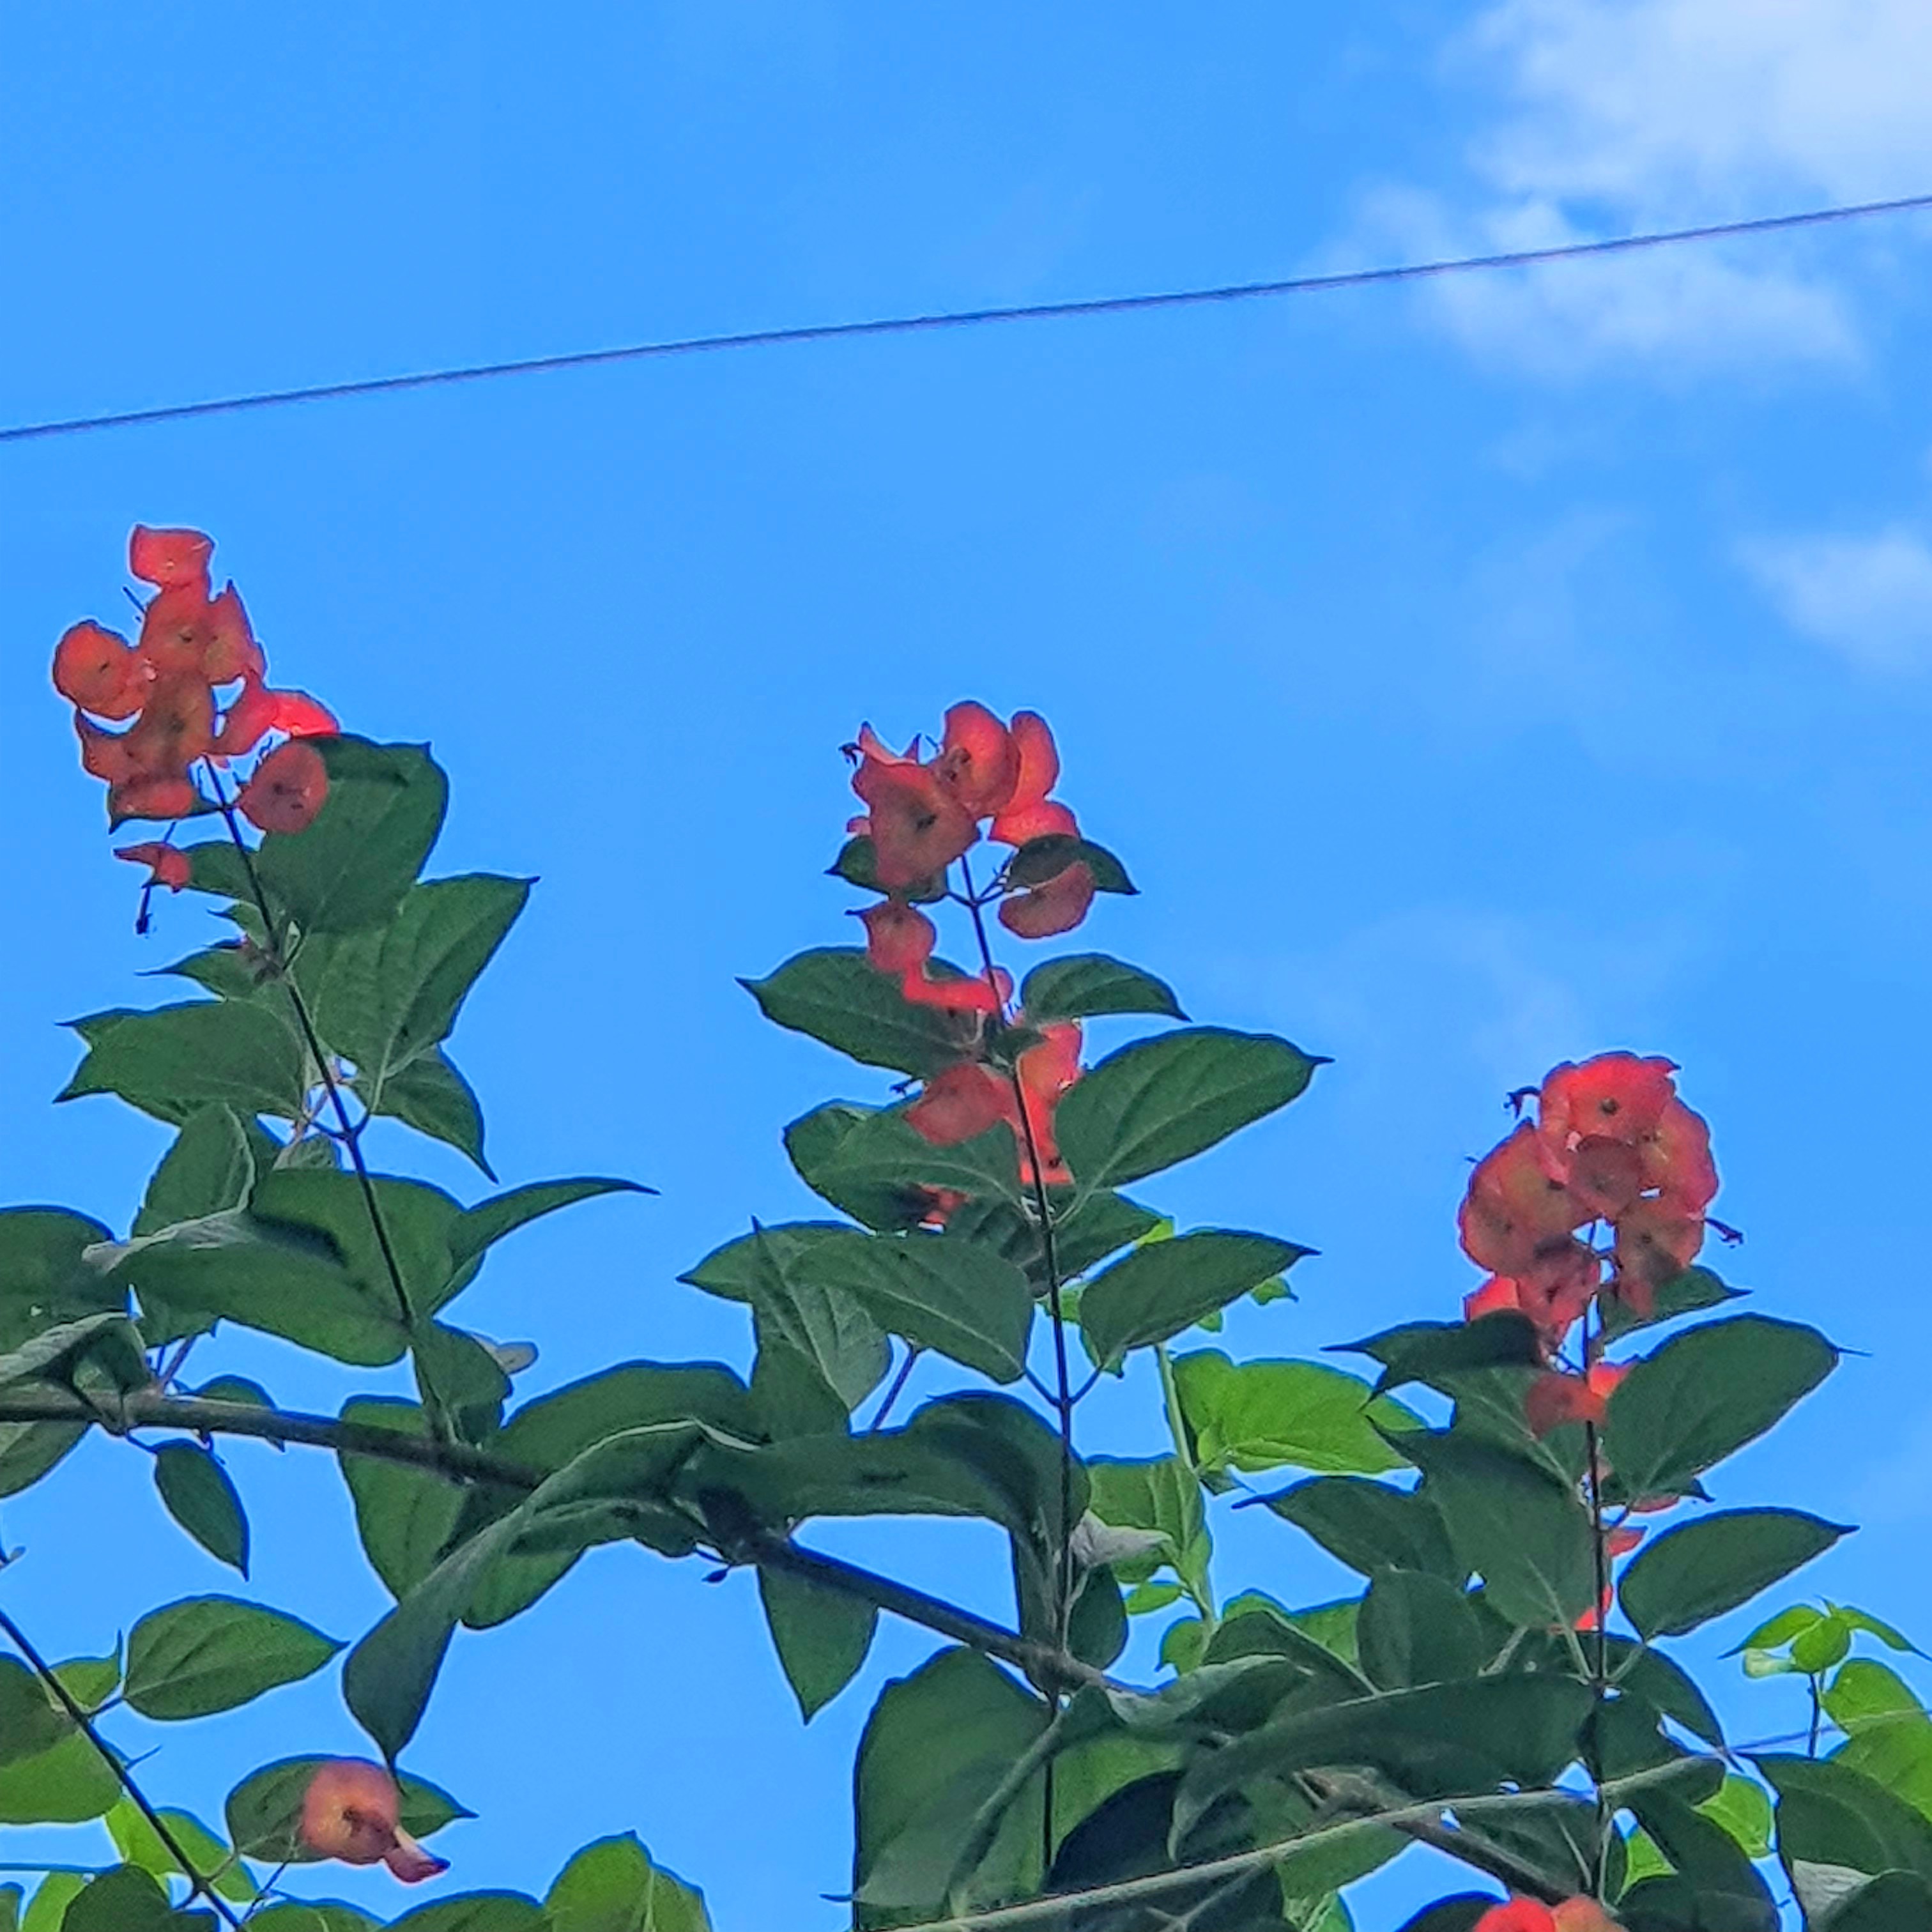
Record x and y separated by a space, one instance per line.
913 1351
201 1887
350 1132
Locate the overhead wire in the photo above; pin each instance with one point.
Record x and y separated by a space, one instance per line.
959 319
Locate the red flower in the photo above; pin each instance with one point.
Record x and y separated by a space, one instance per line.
1656 1241
976 995
257 711
1058 905
351 1811
287 790
899 938
176 727
1528 1915
1515 1219
1554 1399
1027 814
169 558
1621 1542
918 827
140 797
169 865
1676 1158
98 671
960 1102
978 763
1615 1095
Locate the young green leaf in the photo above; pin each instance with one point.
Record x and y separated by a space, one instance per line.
198 1494
1161 1101
1277 1414
1703 1568
1158 1290
209 1654
612 1886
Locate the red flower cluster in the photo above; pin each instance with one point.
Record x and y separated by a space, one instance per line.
163 686
350 1811
1611 1142
969 1097
1580 1914
921 816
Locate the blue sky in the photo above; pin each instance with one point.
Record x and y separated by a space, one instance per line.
1473 677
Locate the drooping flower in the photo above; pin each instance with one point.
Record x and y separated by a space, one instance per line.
1057 905
1580 1914
351 1810
1617 1096
258 710
899 938
98 671
1515 1219
287 790
960 1102
918 827
957 993
1556 1398
168 865
169 558
967 1098
1028 815
978 763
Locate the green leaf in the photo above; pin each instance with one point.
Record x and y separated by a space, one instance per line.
139 1844
43 1353
1161 1101
67 1783
475 1911
431 1096
1432 1351
827 1327
883 1153
91 1681
1512 1522
1369 1526
352 866
1040 859
1744 1811
263 1812
1276 1414
1085 985
1704 1394
313 1916
1164 1287
821 1636
389 994
275 1275
404 1516
858 864
1664 1686
481 1227
127 1900
1416 1629
1829 1814
30 1722
44 1276
210 1168
1440 1739
1161 1496
1685 1294
612 1886
1701 1569
176 1060
1091 1227
29 1450
935 1748
546 1434
813 1142
52 1896
418 1219
209 1654
831 994
966 1303
1894 1901
197 1493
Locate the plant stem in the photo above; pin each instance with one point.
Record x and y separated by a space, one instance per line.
350 1132
892 1394
1600 1675
201 1888
1817 1716
1063 1562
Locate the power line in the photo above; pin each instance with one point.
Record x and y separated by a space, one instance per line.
970 318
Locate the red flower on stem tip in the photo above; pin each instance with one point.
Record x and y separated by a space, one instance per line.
1618 1095
168 559
98 671
351 1811
167 865
1028 815
977 995
1517 1219
1058 905
978 763
257 711
967 1099
287 790
917 827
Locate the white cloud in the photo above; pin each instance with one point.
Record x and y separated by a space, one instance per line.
1619 114
1870 597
